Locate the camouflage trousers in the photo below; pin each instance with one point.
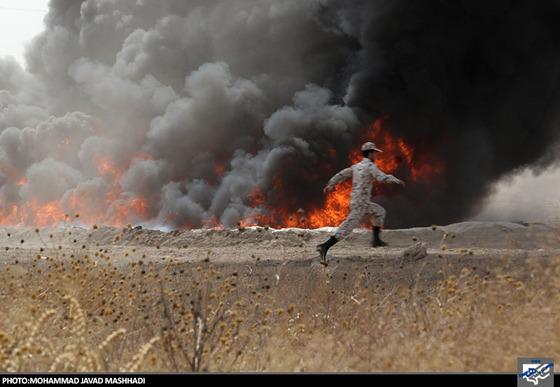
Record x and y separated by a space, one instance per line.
357 212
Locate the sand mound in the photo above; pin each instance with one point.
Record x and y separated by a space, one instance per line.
289 244
471 233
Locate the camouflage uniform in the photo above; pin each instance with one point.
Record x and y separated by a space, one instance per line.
362 174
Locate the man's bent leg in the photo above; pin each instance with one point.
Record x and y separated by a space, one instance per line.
349 224
342 231
378 213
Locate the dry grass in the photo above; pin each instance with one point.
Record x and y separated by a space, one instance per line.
78 309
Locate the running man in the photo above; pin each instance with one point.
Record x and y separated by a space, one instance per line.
363 174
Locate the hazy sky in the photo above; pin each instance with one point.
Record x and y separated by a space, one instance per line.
20 20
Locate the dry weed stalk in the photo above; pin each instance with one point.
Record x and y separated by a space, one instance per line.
96 309
138 359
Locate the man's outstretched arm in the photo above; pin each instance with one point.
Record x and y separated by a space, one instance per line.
338 178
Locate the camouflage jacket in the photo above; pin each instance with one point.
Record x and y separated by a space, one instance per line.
363 174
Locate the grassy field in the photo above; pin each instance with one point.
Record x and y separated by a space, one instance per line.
79 307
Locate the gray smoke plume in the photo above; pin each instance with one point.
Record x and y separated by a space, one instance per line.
191 106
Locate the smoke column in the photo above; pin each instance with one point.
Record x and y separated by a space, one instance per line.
192 105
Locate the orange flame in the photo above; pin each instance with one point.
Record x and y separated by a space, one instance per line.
39 214
417 165
113 208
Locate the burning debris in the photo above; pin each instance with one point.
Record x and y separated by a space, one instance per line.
196 114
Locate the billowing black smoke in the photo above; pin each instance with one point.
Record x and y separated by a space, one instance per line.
199 103
479 79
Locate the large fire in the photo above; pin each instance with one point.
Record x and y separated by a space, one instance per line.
110 206
416 166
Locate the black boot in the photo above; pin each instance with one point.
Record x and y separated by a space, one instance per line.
377 242
324 247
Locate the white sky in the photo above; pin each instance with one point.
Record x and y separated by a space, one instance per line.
20 21
525 197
